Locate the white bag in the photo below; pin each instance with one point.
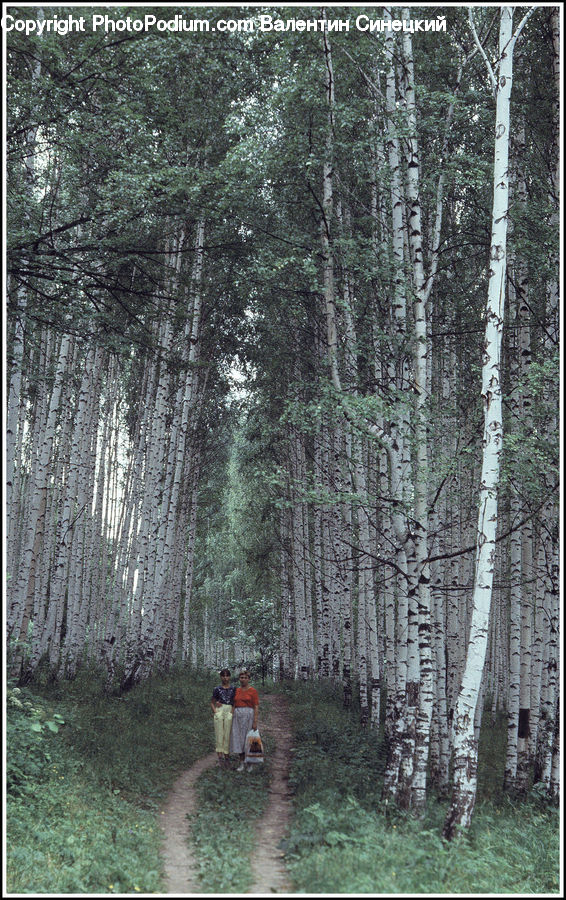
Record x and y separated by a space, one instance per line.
253 747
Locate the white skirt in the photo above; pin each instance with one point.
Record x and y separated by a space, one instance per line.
242 722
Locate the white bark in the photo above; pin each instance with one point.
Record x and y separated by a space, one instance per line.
398 469
514 651
189 565
440 748
515 575
527 606
465 746
16 372
19 611
164 598
77 582
421 352
321 604
298 561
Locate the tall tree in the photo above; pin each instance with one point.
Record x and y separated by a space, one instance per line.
464 735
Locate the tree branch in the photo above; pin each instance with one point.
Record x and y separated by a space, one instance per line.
492 77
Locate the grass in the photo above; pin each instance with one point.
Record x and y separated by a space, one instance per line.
73 838
343 839
223 830
83 802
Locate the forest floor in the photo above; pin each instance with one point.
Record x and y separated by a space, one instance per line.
268 869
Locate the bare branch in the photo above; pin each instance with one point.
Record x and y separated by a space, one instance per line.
491 73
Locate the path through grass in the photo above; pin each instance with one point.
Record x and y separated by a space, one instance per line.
83 803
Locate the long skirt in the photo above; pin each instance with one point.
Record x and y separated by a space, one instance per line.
242 722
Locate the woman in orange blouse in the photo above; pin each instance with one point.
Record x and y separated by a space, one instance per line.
245 718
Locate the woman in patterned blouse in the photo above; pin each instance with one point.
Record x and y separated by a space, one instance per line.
222 703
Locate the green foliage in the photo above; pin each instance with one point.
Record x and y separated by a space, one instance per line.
260 629
138 136
71 836
344 839
325 731
82 804
234 559
169 708
345 848
27 725
531 458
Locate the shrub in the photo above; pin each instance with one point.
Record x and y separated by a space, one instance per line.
28 756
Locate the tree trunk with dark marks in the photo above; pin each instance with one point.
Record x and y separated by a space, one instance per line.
465 743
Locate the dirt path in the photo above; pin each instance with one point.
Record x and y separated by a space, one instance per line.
268 871
179 861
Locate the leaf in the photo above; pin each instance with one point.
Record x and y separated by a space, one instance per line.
333 838
36 726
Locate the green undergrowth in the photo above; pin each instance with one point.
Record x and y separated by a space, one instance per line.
86 775
229 804
343 839
85 778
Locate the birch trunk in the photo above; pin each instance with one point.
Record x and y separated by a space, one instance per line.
285 670
320 594
400 746
13 421
331 329
77 609
515 574
298 561
421 352
368 642
549 674
189 565
465 744
20 608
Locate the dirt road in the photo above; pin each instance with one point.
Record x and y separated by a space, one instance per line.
267 863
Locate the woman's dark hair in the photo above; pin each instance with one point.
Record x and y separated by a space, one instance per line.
224 672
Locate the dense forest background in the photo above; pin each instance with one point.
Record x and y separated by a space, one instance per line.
250 370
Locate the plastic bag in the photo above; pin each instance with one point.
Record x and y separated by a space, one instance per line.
253 747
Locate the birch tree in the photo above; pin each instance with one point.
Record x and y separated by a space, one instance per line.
464 738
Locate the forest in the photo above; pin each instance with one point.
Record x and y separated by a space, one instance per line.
282 366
